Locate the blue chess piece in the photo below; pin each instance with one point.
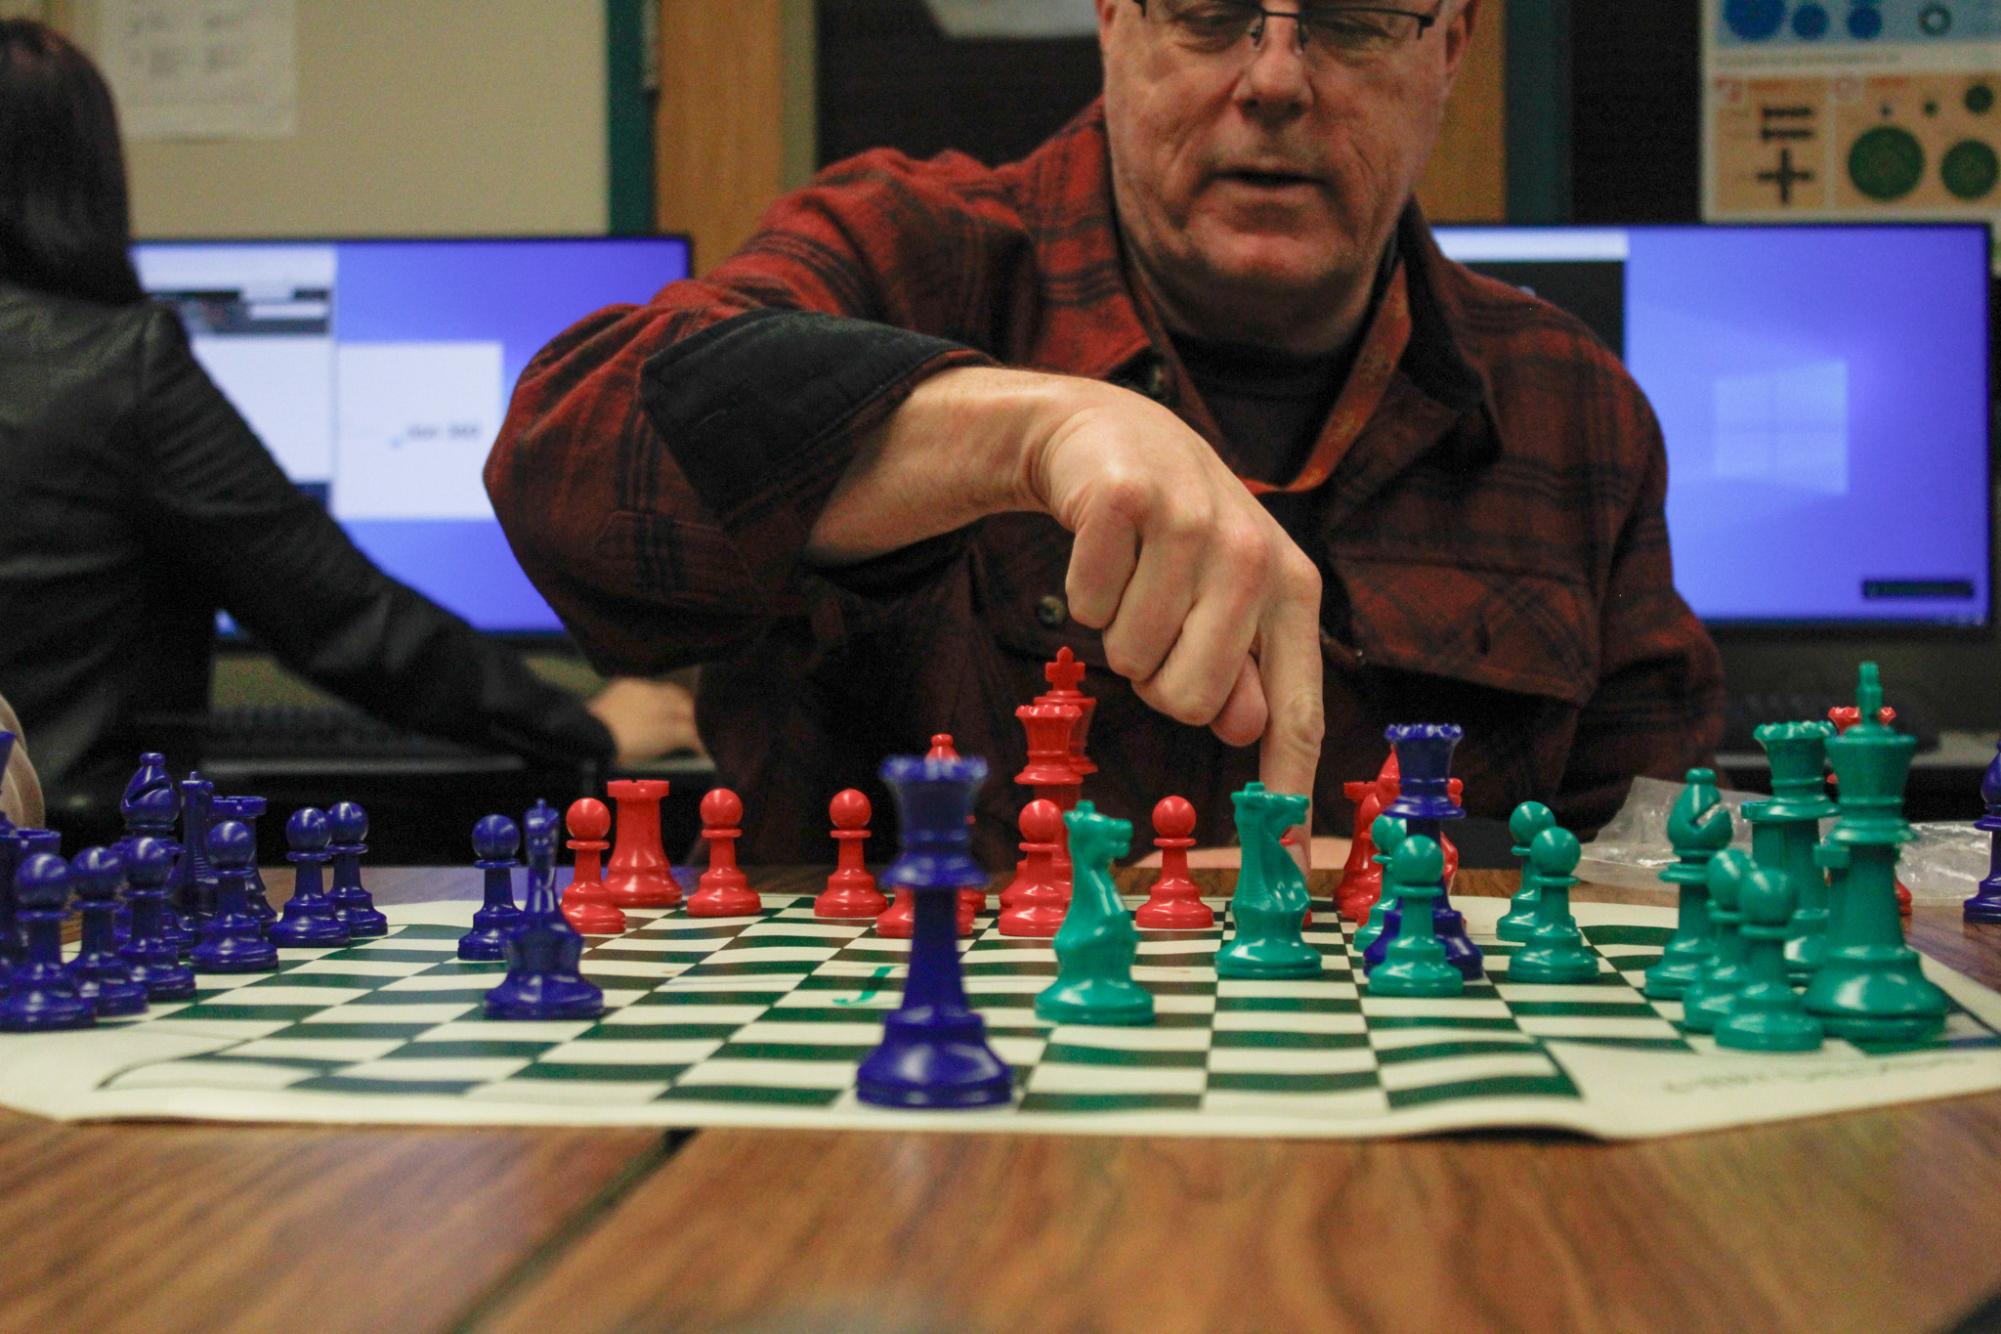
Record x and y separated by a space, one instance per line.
42 996
542 979
1424 802
232 941
494 840
934 1050
247 810
154 956
1985 905
194 874
99 974
356 908
152 807
310 920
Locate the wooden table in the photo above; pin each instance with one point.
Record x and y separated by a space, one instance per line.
1868 1221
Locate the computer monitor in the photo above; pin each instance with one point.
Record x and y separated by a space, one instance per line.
1824 394
377 372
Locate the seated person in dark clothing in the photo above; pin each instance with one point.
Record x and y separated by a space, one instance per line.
134 502
1191 391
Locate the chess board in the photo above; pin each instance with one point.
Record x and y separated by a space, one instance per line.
761 1021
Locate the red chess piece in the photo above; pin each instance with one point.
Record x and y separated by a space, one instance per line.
1173 903
723 891
851 890
972 901
1064 674
1845 716
1049 774
586 904
1361 878
1035 903
639 876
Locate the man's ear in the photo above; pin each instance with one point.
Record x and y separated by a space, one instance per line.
1106 10
1458 34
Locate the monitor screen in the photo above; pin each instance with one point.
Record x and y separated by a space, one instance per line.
377 372
1823 390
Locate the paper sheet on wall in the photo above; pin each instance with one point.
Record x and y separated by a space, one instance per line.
201 69
1844 109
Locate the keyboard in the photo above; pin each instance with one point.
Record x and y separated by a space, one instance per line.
329 732
1744 712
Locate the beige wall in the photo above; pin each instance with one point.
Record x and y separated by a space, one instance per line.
417 117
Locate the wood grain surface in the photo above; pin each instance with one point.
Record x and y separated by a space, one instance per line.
1868 1221
1878 1220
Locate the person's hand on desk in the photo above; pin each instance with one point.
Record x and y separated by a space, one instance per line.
647 719
20 789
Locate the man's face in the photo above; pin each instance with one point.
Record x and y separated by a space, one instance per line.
1258 187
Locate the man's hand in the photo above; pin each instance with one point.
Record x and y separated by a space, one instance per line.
647 719
1207 607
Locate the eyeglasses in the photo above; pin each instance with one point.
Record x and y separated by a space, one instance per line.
1351 32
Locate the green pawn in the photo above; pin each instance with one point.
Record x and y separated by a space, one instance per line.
1269 903
1415 962
1870 986
1530 818
1767 1016
1387 833
1709 998
1786 829
1698 828
1097 942
1556 953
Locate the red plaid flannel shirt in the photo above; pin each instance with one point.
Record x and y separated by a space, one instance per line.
1489 525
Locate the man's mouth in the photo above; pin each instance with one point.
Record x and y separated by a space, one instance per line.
1269 180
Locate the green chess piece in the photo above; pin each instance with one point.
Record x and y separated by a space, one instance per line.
1097 942
1529 819
1414 964
1870 986
1768 1015
1786 829
1387 833
1270 901
1708 999
1556 953
1698 828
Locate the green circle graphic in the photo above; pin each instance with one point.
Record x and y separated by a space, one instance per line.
1886 162
1969 169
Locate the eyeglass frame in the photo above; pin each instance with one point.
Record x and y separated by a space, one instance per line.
1256 32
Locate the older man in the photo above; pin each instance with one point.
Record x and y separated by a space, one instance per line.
1189 390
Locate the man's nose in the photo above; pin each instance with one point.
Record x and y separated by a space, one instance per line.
1277 80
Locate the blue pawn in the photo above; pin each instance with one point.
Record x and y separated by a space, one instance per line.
494 840
101 977
310 921
152 807
232 941
934 1051
25 842
42 996
542 980
247 809
154 956
356 908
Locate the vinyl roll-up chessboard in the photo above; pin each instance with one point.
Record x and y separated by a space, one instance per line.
761 1021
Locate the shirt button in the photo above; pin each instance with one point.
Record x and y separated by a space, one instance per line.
1051 611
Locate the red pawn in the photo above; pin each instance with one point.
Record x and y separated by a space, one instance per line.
1173 903
586 903
723 891
1035 903
639 876
851 890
